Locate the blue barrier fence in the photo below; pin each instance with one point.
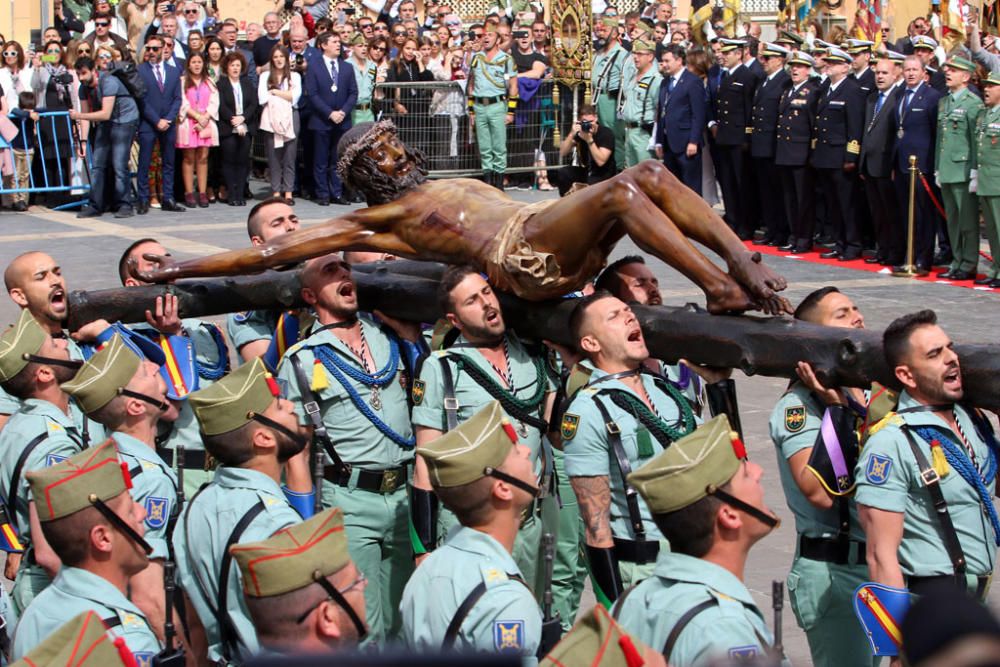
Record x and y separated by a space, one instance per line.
50 162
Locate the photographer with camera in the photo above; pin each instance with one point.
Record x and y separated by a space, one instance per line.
592 147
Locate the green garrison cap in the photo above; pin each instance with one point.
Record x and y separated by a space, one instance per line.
294 557
958 62
461 455
643 46
100 378
67 486
82 642
225 405
358 39
25 336
790 38
681 474
596 641
610 21
992 80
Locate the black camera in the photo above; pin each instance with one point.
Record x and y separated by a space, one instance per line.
586 125
289 5
64 79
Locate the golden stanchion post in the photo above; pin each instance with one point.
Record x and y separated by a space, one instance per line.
909 269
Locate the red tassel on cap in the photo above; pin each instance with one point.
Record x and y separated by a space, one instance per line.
509 430
632 656
126 475
738 447
272 385
126 655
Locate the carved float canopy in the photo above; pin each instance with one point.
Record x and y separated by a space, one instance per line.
572 49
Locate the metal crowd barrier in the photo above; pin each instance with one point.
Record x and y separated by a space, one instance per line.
54 162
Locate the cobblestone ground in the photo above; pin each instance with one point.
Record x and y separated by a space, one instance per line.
88 251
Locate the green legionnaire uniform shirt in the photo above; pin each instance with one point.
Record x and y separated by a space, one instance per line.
199 540
888 479
606 74
820 592
212 356
506 619
370 430
986 160
638 111
364 74
731 626
489 78
254 325
73 592
490 75
154 486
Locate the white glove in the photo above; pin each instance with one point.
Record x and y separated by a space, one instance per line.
974 181
937 178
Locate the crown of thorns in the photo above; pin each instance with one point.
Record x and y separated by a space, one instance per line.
362 145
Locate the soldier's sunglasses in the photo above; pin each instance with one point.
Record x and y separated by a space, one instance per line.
337 596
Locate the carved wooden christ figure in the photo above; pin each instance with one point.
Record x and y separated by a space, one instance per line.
537 251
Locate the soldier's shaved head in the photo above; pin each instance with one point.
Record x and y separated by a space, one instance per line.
34 281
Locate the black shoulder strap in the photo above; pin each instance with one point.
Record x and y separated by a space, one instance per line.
682 623
932 482
112 621
226 629
463 611
624 467
450 402
310 404
616 608
15 478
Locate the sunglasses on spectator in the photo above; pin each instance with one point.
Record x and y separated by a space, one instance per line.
376 48
190 11
105 56
477 35
10 54
153 48
83 51
102 24
398 33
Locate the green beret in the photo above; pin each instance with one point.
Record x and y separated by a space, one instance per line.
682 474
461 455
225 405
74 484
596 641
24 337
294 557
643 46
81 642
101 376
958 62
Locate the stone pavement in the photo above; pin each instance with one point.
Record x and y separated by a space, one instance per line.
88 251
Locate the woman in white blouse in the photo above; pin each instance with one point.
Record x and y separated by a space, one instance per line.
278 93
15 76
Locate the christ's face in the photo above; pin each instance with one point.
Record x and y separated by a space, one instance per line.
389 154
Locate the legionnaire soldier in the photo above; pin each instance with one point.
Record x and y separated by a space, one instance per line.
179 443
640 91
81 642
958 112
815 432
356 369
95 529
797 116
730 124
493 97
836 146
41 433
606 81
708 501
486 362
927 475
986 161
860 51
253 433
302 590
365 72
619 419
480 602
597 640
121 388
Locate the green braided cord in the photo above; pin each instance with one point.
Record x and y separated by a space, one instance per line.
526 405
663 431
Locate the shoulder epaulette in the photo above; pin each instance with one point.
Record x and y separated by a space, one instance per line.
891 418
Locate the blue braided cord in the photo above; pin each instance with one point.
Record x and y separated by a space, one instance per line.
959 460
215 372
379 378
361 404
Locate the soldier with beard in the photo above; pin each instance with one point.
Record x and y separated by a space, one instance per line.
253 432
356 369
536 251
486 362
927 476
619 420
41 433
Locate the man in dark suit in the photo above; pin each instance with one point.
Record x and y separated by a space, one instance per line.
916 123
680 118
875 163
300 56
332 91
730 127
228 34
836 147
861 71
796 117
763 141
157 123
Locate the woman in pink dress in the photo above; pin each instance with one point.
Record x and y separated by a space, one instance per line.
196 128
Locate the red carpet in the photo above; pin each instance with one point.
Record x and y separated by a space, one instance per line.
859 265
